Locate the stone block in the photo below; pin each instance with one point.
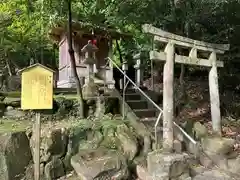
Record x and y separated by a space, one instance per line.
100 163
233 165
53 143
200 130
216 145
205 161
173 164
184 176
177 146
14 112
197 169
192 148
15 155
213 175
29 173
212 158
54 169
142 172
159 176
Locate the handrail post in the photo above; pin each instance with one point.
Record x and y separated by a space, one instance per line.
155 128
124 68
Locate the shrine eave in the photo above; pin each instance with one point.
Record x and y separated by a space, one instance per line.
86 29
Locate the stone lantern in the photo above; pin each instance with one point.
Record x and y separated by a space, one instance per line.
90 89
139 72
89 50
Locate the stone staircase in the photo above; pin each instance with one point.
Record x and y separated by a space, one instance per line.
143 109
140 106
180 165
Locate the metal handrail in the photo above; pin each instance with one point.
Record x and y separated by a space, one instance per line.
155 127
151 101
141 91
124 94
160 114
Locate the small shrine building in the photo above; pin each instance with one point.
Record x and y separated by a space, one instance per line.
82 32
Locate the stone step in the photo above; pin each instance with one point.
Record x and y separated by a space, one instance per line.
130 91
133 90
137 104
132 97
149 121
142 113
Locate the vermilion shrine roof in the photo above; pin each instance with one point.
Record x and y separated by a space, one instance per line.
87 28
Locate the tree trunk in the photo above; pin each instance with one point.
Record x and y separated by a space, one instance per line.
9 68
73 62
181 81
186 31
183 95
119 51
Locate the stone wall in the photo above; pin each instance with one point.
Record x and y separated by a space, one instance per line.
106 146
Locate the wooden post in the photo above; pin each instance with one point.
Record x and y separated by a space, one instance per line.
37 147
214 96
36 94
168 98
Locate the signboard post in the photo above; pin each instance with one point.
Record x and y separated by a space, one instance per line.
37 94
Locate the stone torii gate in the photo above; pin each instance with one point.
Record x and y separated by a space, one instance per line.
169 56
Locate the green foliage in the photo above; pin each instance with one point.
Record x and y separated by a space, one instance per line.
24 25
24 33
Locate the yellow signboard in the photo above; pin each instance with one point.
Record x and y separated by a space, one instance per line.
37 87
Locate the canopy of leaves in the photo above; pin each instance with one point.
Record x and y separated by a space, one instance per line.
24 25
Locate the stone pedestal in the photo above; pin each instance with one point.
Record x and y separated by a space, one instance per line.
90 89
100 107
90 73
168 166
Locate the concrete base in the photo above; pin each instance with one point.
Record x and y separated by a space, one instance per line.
169 166
65 84
71 84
